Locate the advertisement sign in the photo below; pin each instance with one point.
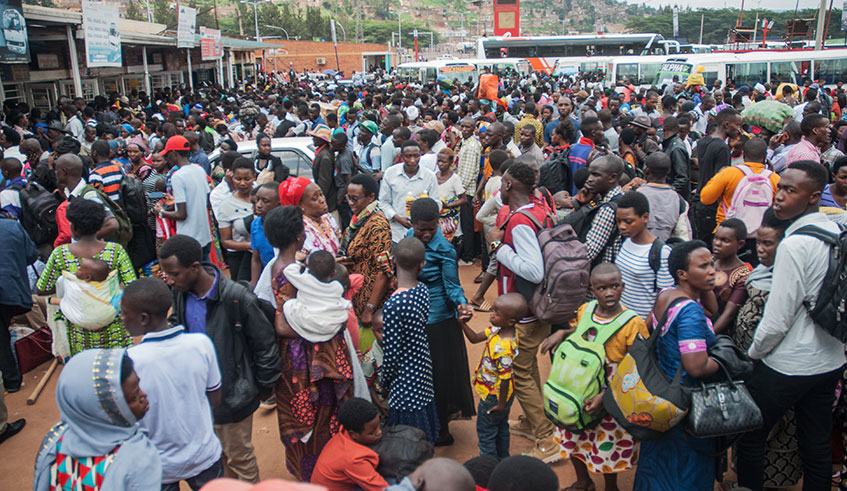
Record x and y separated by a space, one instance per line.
186 25
210 44
14 47
102 35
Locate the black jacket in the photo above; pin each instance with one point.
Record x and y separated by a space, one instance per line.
680 175
245 343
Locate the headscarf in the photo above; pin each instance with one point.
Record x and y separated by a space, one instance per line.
95 418
128 128
291 190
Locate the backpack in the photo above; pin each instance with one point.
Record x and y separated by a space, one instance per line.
401 450
829 310
555 173
582 218
38 213
124 233
133 200
522 286
654 259
640 397
578 372
566 268
752 197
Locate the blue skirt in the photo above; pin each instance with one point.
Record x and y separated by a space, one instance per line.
425 419
679 462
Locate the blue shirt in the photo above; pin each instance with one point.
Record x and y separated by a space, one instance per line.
258 241
441 276
199 157
195 307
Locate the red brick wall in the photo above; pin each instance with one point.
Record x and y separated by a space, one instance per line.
304 54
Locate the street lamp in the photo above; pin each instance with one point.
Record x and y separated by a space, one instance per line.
343 31
287 37
255 4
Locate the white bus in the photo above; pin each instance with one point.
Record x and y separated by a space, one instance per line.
543 51
425 72
501 66
792 66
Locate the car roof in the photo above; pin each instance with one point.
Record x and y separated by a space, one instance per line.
302 143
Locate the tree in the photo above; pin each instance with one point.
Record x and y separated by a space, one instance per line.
133 12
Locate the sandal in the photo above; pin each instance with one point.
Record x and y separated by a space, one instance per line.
576 487
479 277
485 306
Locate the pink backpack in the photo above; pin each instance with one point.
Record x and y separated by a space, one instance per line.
752 197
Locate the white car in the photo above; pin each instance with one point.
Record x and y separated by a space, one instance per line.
297 153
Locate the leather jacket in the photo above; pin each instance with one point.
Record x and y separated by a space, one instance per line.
680 175
245 344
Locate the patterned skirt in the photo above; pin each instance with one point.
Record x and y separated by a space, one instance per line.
605 449
425 419
112 336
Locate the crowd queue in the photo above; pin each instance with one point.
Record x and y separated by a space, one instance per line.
332 295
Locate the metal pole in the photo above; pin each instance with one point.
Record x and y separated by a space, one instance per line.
702 16
190 78
819 32
256 18
149 12
400 31
146 70
74 61
756 27
343 31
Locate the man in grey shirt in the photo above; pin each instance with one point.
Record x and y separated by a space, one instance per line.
799 364
343 173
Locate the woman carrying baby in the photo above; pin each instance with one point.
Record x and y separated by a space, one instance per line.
86 217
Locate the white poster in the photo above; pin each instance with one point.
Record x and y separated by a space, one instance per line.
187 22
102 35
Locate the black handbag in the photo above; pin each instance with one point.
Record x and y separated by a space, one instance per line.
722 408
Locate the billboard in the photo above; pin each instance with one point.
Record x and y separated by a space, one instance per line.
186 25
102 35
14 45
210 44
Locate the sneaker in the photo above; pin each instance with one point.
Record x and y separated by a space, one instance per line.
462 262
269 403
521 427
546 450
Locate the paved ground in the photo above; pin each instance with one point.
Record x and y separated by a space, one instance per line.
17 455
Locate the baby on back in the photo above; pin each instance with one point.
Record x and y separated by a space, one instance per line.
93 270
320 309
90 298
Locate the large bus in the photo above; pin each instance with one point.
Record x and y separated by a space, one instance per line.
501 66
792 66
543 51
425 72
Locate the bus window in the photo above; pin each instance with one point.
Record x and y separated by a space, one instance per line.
430 75
648 71
747 73
784 71
830 71
709 78
628 71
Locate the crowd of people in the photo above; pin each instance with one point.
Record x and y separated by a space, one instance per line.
335 298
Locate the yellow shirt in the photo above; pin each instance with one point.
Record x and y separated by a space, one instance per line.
618 345
722 186
495 366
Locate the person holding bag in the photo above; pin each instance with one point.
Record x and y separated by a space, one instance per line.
681 462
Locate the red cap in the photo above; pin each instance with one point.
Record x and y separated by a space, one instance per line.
176 142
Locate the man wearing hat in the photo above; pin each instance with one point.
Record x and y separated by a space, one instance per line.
323 167
367 151
643 144
191 190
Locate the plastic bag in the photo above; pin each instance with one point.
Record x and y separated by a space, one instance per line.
91 305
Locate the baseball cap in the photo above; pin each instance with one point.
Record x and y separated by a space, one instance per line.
370 126
176 142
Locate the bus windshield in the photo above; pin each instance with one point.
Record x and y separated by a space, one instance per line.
671 69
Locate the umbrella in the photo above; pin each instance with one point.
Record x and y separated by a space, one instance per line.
770 115
329 71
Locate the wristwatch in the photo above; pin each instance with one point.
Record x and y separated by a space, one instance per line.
494 245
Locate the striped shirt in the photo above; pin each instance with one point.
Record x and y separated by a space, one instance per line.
107 176
638 277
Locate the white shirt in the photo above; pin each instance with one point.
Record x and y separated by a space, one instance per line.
787 340
176 369
638 277
798 111
190 187
218 195
397 192
429 161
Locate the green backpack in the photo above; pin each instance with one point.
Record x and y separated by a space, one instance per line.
124 233
578 372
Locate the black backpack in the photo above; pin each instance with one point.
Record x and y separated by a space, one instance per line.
829 310
133 200
555 174
654 259
38 213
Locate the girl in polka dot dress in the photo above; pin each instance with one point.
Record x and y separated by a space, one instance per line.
406 371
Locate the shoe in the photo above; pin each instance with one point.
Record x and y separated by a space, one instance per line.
521 427
479 277
12 429
269 403
12 389
546 450
462 262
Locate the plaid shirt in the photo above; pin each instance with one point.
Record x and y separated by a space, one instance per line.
603 228
470 151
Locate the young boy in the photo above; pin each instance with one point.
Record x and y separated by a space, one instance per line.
731 273
179 372
346 463
493 378
267 198
643 283
668 211
584 449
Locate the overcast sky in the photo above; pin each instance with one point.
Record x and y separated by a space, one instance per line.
748 4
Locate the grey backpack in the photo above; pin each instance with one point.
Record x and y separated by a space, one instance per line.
566 269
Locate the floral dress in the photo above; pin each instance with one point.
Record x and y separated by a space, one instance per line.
316 379
112 336
322 236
